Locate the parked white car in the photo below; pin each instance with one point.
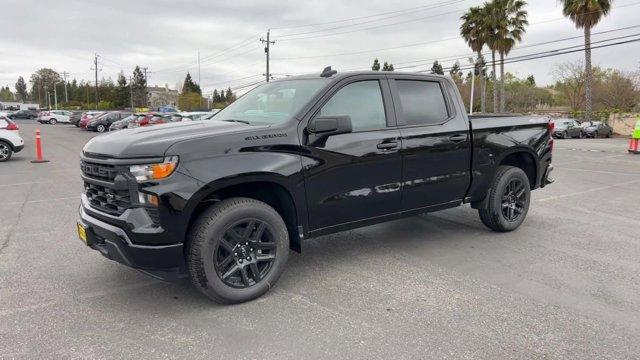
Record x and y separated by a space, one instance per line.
10 139
54 116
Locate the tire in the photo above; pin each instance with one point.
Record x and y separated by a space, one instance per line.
608 135
595 135
581 136
565 135
101 128
31 117
493 214
5 151
209 241
53 121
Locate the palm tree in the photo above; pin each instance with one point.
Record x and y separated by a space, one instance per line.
473 31
508 20
587 14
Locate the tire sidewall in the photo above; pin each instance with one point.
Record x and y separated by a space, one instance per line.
215 229
509 175
10 151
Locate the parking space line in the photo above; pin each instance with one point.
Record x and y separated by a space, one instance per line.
34 182
43 200
599 171
588 191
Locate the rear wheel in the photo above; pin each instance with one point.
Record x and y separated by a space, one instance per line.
238 249
101 128
5 151
53 121
508 200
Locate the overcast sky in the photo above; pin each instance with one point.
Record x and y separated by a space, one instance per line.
165 36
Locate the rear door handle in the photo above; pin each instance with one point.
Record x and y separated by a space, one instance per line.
458 138
387 145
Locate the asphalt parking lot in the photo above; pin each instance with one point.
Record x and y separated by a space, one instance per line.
565 285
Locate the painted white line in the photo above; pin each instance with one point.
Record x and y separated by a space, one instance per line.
588 191
37 182
43 200
598 171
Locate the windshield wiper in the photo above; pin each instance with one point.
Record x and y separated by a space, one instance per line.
238 121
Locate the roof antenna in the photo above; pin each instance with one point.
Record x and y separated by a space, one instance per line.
327 72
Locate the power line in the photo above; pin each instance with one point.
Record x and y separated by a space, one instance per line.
422 18
426 7
350 19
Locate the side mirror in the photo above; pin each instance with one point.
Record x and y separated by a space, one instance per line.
330 125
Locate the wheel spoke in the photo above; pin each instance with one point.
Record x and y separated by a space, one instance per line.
224 263
265 245
226 245
255 272
259 231
231 271
244 275
265 257
248 230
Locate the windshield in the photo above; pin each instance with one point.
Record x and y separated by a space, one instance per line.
272 103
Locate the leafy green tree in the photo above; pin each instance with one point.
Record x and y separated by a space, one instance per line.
531 80
376 65
508 20
475 32
6 94
189 101
229 96
21 89
139 88
190 86
437 68
387 67
122 93
43 81
586 14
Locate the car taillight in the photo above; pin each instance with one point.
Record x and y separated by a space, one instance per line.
551 126
12 126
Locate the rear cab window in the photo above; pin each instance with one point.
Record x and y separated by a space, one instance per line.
421 102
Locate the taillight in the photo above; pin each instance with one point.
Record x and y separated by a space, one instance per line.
12 126
551 126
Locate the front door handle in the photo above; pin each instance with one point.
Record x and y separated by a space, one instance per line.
458 138
387 145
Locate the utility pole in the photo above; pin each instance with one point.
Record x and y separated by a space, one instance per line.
46 91
266 50
55 94
131 92
64 76
145 69
199 78
95 64
473 82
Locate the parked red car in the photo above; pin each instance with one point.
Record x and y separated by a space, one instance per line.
150 119
84 120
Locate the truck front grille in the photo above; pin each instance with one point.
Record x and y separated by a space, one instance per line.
98 171
108 200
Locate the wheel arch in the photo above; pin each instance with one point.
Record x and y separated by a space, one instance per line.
271 189
524 159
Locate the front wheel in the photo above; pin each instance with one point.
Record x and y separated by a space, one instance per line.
53 121
5 151
238 249
508 200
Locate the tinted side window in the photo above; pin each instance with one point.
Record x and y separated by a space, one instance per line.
362 101
422 102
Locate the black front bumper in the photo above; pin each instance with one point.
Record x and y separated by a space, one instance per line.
165 262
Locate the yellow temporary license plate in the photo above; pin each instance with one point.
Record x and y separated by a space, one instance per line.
82 233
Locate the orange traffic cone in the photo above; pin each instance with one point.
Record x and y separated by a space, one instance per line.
39 157
634 146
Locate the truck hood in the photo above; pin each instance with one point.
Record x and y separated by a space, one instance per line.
152 141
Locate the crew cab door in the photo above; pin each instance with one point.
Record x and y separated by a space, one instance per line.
353 177
436 144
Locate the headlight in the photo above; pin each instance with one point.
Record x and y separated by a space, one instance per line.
149 172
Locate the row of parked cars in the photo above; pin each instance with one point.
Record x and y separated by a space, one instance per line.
102 121
572 129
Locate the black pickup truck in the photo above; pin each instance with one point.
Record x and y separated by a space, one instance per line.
224 201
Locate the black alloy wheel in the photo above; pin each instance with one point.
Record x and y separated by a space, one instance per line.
514 198
245 254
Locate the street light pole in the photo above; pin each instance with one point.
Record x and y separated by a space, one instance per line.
473 82
55 94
